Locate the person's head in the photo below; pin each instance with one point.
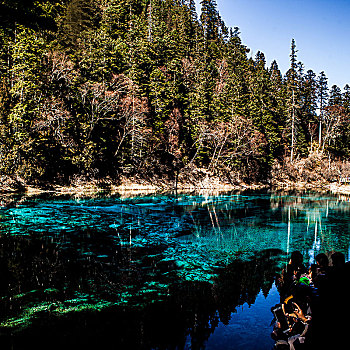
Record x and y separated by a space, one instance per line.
322 259
338 259
296 258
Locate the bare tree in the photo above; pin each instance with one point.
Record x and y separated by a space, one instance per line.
334 118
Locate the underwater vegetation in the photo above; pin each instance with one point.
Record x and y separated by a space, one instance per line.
153 272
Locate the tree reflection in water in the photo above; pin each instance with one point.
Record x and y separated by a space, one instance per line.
46 284
150 272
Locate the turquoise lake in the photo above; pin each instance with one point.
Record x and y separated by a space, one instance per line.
186 271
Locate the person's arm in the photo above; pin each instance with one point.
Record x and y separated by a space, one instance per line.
299 314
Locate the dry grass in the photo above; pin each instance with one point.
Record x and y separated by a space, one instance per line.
315 171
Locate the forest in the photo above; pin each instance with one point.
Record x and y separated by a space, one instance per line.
111 88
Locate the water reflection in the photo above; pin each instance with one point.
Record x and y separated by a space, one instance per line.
160 271
184 318
316 223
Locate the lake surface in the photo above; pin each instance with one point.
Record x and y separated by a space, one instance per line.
155 272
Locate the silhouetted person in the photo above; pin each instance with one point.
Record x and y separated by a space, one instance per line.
338 260
291 274
328 305
322 260
332 324
336 280
319 272
297 336
296 258
340 279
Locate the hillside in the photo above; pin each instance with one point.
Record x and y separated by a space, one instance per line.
149 90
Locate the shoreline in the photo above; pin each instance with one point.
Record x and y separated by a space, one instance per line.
136 186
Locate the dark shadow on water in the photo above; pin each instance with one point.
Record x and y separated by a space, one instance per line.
150 272
42 280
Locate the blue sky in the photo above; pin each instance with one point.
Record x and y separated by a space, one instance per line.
321 29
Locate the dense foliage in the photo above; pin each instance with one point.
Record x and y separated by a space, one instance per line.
111 87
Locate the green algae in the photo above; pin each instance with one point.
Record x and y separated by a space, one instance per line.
30 313
94 255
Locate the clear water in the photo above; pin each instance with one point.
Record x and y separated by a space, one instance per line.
156 272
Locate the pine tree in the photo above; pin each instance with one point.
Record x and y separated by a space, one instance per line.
192 7
309 106
80 17
209 18
346 98
322 87
189 93
275 75
292 89
335 96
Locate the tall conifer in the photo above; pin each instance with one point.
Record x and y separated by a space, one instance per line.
322 86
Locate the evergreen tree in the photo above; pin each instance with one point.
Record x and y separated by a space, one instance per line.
110 86
80 17
291 82
275 75
322 86
192 7
346 98
335 96
309 106
210 20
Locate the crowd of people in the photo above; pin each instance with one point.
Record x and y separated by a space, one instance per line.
314 309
